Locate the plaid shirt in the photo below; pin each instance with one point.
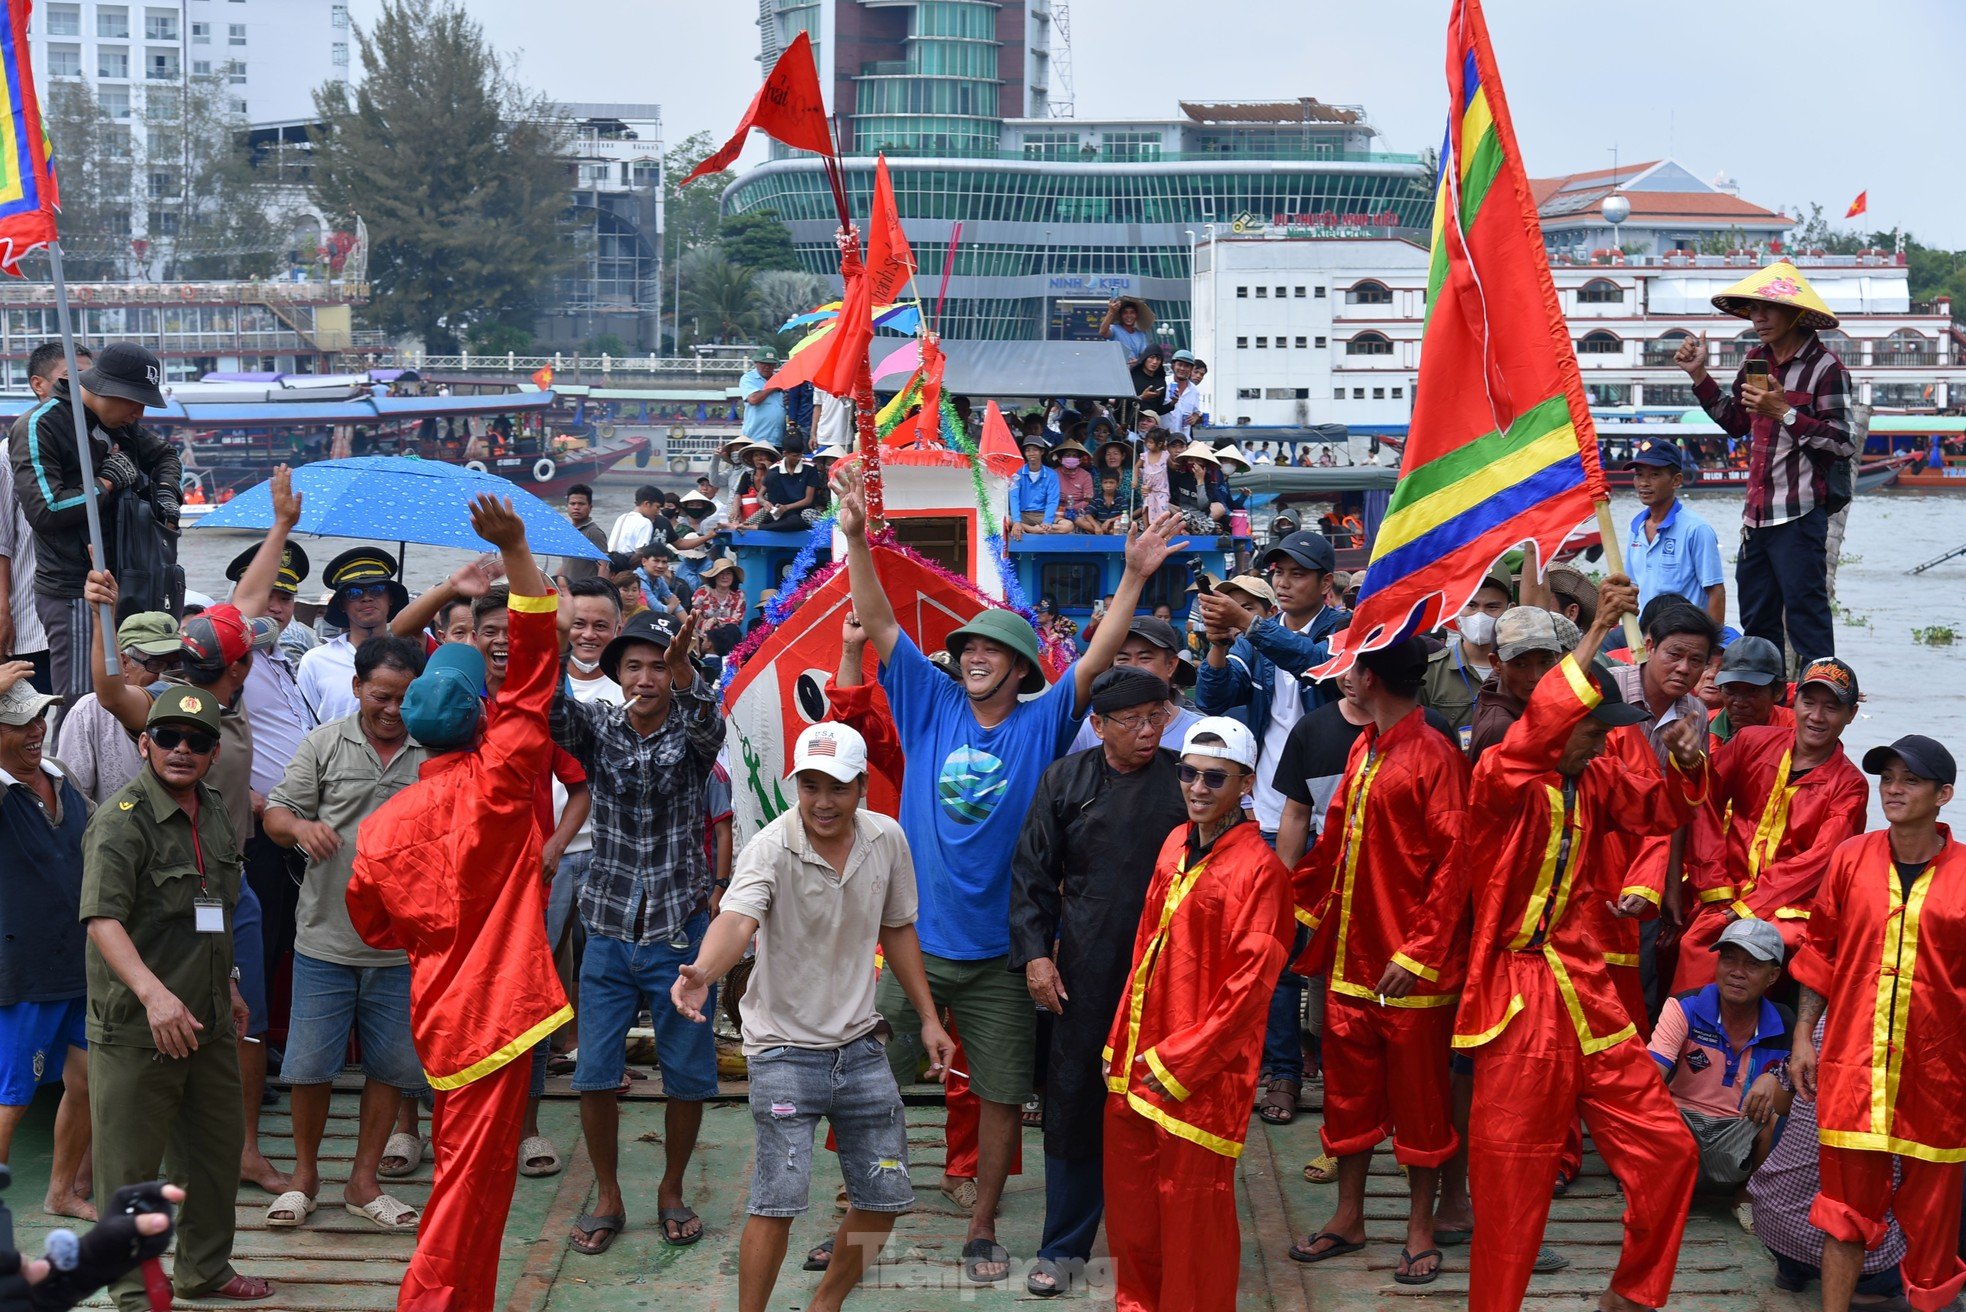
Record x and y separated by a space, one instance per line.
1788 466
648 811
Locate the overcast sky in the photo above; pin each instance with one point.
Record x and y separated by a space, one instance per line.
1809 101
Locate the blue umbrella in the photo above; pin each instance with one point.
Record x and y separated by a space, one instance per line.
402 499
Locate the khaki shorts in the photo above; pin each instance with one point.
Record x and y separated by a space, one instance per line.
995 1020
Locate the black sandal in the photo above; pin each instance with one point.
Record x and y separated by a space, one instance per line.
818 1259
980 1252
1279 1104
1410 1259
1339 1247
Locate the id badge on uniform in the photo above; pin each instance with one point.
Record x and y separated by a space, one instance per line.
1466 734
210 915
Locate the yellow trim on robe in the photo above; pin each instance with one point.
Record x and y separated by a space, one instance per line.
1348 872
518 1047
1590 1043
1540 896
1580 683
1427 973
1420 1001
1725 893
1649 894
1166 1076
532 605
1215 1143
1488 1035
1884 1143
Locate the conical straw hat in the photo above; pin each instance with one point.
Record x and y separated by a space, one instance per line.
1778 284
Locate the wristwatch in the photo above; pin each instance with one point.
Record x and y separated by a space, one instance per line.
1788 417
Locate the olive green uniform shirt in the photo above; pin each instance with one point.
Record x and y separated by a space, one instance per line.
143 866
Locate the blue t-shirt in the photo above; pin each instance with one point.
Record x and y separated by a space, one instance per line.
964 794
765 421
1684 557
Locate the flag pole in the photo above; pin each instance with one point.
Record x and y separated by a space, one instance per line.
1614 556
106 616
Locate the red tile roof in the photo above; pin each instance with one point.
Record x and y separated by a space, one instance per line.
1681 205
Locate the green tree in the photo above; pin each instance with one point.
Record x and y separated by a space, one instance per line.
457 169
93 154
493 338
719 298
225 221
605 344
758 240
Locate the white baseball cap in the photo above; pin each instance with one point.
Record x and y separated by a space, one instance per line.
835 750
1238 744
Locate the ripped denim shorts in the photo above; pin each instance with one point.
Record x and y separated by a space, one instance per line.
852 1088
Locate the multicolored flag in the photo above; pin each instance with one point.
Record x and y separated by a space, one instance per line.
29 198
788 107
1502 450
1861 205
834 362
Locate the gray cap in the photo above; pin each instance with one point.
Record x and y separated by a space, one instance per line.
21 704
1757 938
1528 628
1750 660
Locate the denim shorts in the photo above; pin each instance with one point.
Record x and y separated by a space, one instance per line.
34 1041
563 891
791 1088
249 955
330 1001
617 979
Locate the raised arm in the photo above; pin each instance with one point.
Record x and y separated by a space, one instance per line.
469 582
130 706
870 600
255 586
1147 549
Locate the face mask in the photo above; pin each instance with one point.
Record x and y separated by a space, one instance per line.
1070 462
1478 628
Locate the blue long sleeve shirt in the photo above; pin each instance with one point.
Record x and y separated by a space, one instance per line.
1034 491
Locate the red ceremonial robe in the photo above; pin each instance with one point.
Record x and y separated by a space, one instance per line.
1550 1036
1210 946
1891 1071
1779 838
448 871
1381 857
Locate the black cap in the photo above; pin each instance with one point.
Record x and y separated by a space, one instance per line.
1403 662
359 566
1925 757
1311 550
128 371
1157 631
653 628
1127 685
1833 674
1655 451
1613 709
291 574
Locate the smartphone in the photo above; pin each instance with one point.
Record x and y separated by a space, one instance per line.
1757 373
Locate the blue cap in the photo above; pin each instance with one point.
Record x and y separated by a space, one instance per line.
1655 451
442 706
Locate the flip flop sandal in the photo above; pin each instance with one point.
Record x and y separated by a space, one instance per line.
679 1217
296 1205
1339 1247
387 1213
1047 1279
1744 1213
818 1259
1034 1114
404 1148
533 1151
1322 1169
1548 1260
606 1226
1410 1259
978 1253
1452 1238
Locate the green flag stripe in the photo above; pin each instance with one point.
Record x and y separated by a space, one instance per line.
1443 471
1483 166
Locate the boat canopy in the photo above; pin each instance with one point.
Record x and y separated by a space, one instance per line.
276 406
1034 369
1319 434
1296 480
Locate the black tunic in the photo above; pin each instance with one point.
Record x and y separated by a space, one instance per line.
1080 875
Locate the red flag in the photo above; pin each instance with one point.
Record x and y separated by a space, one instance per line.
542 378
787 107
1861 205
926 430
890 263
998 448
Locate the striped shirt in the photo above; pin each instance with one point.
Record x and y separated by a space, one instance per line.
1788 465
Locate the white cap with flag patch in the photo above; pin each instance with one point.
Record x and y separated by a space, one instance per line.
835 750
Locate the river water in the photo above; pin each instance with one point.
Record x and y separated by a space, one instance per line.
1909 687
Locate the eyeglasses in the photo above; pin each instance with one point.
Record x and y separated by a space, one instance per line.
151 664
1155 720
1213 780
192 740
357 591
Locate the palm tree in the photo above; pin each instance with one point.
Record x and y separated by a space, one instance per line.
719 298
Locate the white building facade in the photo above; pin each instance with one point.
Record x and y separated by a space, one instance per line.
1300 330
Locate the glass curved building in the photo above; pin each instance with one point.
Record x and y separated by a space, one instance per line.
1058 214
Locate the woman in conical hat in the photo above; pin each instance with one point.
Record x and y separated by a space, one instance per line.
1793 401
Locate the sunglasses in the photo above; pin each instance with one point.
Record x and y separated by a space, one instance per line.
192 740
1213 780
358 591
150 664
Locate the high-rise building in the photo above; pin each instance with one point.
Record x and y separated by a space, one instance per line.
1058 214
615 286
139 59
